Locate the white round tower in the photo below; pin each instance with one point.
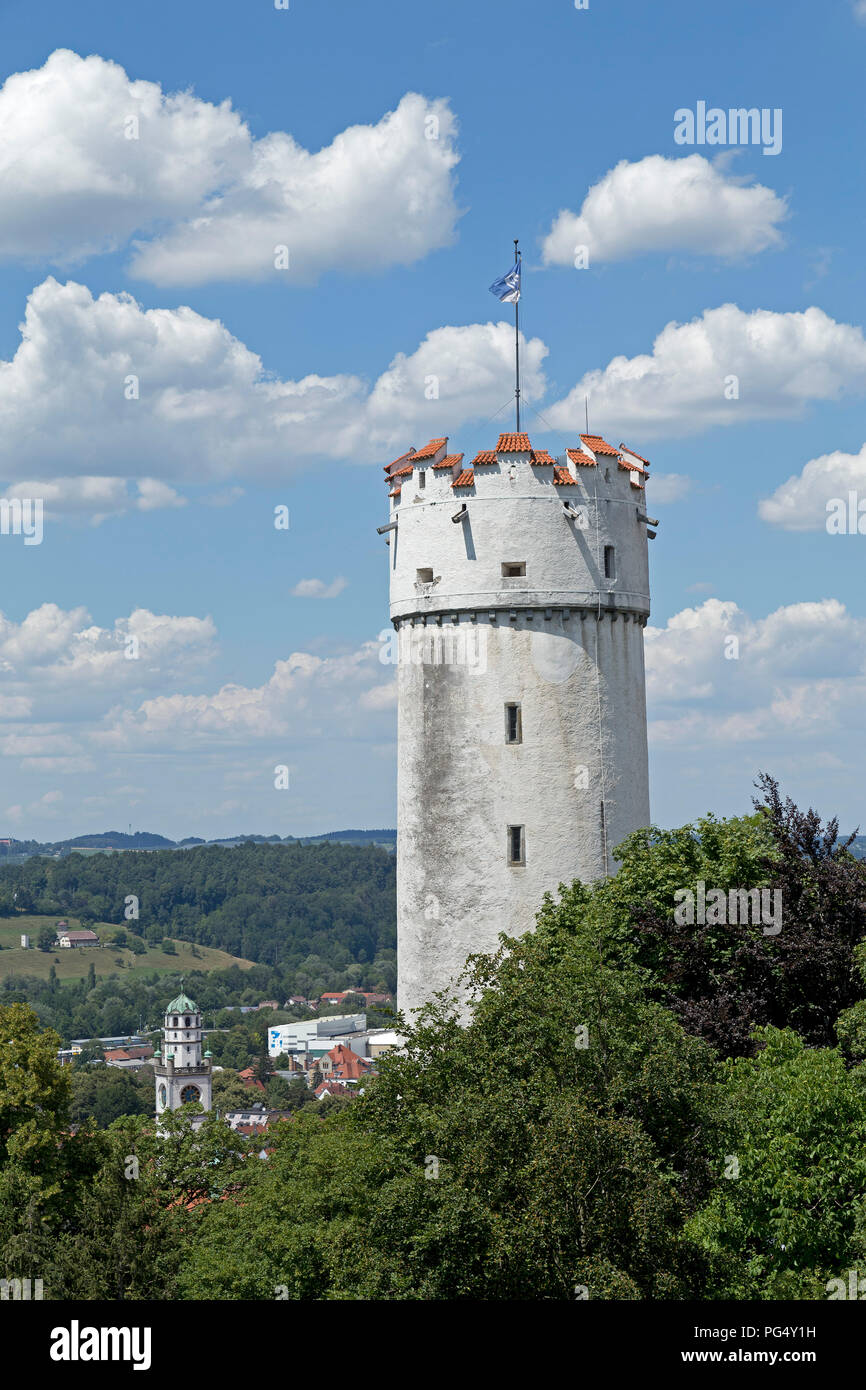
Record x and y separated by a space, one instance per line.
519 594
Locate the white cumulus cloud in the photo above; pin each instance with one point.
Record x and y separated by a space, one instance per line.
317 588
167 394
660 204
668 487
800 504
91 157
56 665
718 677
724 368
94 498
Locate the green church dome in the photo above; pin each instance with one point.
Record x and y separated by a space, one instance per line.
182 1005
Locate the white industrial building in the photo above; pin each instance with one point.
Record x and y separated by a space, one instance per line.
317 1035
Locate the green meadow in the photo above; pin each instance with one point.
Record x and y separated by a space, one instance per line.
107 959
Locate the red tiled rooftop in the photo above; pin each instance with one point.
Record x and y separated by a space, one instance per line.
395 492
464 479
632 466
637 456
399 459
401 473
428 450
514 444
484 457
449 461
579 457
541 456
564 478
599 445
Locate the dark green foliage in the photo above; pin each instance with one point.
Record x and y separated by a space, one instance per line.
723 981
104 1093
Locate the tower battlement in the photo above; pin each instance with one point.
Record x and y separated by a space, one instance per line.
519 528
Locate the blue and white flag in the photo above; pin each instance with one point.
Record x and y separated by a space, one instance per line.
507 287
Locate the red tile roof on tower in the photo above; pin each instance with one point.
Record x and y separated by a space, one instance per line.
632 466
484 457
464 479
408 453
402 472
540 456
599 445
449 461
428 450
637 456
564 478
580 458
395 492
514 444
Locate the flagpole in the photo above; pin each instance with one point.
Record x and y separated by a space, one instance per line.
517 339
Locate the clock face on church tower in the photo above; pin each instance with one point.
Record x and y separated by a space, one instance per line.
189 1093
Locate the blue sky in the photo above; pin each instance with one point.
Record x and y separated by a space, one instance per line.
536 106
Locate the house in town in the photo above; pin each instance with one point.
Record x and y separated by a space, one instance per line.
342 1064
249 1078
129 1058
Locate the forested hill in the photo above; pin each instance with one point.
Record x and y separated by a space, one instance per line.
277 904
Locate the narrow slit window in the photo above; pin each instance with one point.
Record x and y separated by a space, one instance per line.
513 569
422 477
516 846
513 724
609 562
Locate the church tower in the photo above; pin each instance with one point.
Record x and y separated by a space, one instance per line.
519 593
180 1072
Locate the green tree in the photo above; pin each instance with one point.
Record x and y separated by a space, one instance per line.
788 1214
106 1093
493 1158
134 1216
230 1093
35 1182
47 939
